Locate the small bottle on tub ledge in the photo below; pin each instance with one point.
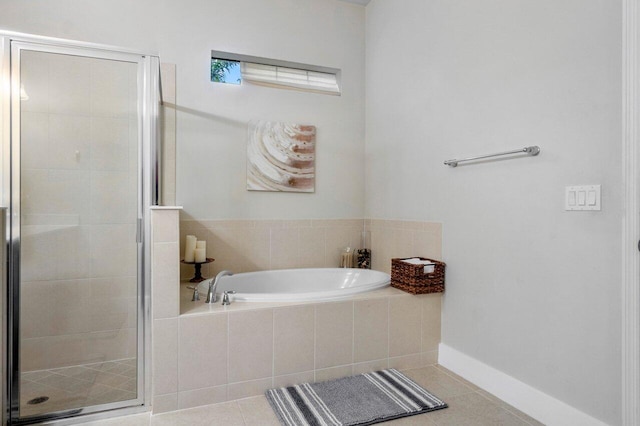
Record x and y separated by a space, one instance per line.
346 258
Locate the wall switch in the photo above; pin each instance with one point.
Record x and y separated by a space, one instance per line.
583 197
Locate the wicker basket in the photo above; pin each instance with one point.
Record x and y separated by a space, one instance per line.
412 278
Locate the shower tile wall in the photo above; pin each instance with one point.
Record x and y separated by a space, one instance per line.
79 162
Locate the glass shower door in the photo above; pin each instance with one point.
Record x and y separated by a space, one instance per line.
78 178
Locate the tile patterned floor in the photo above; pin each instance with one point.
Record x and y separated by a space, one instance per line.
78 386
468 405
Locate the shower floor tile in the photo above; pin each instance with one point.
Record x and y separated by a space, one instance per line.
78 386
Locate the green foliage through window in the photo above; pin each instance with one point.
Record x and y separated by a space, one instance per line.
223 71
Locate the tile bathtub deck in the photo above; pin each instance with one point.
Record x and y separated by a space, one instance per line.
468 405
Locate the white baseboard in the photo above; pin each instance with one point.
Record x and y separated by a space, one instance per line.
539 405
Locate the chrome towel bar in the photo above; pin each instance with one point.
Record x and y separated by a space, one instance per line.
530 150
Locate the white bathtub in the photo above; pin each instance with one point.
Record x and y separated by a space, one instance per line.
300 285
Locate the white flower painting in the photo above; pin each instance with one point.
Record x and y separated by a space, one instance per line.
281 157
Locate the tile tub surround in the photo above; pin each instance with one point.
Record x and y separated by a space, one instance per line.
253 245
256 245
205 354
238 351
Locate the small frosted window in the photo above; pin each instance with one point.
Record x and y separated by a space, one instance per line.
223 71
240 69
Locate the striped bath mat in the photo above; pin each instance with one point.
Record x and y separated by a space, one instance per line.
364 399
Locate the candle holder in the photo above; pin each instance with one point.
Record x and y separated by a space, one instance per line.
198 276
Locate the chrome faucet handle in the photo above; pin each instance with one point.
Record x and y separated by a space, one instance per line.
196 293
213 285
211 294
225 297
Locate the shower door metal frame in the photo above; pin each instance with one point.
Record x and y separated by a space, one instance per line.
148 99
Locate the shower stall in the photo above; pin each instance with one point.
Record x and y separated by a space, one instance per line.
79 129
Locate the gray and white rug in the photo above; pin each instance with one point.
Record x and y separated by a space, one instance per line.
364 399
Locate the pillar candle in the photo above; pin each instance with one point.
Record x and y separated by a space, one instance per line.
201 245
189 248
200 255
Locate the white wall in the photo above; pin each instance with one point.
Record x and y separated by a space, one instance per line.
532 290
212 118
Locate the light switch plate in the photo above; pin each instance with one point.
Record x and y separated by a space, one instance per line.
582 197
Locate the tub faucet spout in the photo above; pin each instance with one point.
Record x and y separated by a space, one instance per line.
213 285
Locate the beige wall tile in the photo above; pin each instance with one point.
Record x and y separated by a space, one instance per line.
202 351
35 322
333 223
431 322
271 224
381 249
284 248
55 252
33 353
299 223
165 280
334 334
250 388
165 225
333 373
65 350
165 356
34 140
187 225
429 358
392 238
198 397
38 82
312 247
406 362
68 134
110 84
293 339
336 240
251 245
293 379
255 249
110 141
113 197
365 367
113 250
110 345
371 330
69 83
405 315
402 243
225 245
164 403
250 345
428 245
